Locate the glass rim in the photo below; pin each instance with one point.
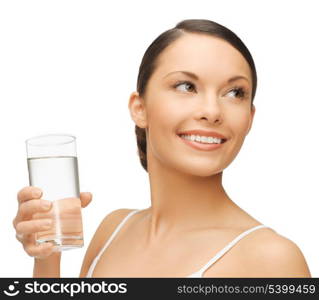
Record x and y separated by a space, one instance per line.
29 140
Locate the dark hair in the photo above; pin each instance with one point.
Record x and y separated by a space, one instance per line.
149 61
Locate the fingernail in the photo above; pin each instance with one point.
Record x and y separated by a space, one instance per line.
37 193
46 204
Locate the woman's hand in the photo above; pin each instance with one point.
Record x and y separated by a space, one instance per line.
30 202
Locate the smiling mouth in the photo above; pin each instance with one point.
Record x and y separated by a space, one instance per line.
222 140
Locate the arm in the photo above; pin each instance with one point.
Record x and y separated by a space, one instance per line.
47 267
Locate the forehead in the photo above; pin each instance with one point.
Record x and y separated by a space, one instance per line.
205 55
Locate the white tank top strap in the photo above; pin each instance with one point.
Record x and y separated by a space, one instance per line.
108 242
223 251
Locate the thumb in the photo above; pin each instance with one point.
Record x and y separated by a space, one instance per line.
86 198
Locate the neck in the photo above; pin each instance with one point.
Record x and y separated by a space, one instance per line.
181 202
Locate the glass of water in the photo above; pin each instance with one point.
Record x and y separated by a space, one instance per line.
53 167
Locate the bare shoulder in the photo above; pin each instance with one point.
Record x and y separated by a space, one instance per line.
102 233
273 255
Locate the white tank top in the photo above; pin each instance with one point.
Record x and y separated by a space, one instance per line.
200 272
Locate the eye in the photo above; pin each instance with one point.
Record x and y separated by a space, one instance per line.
239 92
185 86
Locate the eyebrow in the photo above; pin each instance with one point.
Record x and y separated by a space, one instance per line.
194 76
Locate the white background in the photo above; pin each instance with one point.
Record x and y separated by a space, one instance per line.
70 66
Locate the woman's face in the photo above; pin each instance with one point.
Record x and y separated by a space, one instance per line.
189 90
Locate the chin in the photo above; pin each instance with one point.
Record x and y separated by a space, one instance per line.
200 171
206 173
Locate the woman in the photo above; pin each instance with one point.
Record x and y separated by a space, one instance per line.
193 109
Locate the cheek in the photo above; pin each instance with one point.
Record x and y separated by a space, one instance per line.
239 123
163 119
164 113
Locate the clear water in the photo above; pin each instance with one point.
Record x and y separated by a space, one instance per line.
58 178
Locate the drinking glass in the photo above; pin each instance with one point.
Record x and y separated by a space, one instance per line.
53 167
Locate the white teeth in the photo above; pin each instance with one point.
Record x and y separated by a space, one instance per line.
202 139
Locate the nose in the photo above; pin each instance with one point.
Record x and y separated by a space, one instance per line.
210 108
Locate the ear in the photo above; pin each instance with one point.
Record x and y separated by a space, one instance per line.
137 109
252 114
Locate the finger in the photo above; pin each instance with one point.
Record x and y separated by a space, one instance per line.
20 237
28 208
29 192
86 198
39 251
26 238
28 227
33 206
